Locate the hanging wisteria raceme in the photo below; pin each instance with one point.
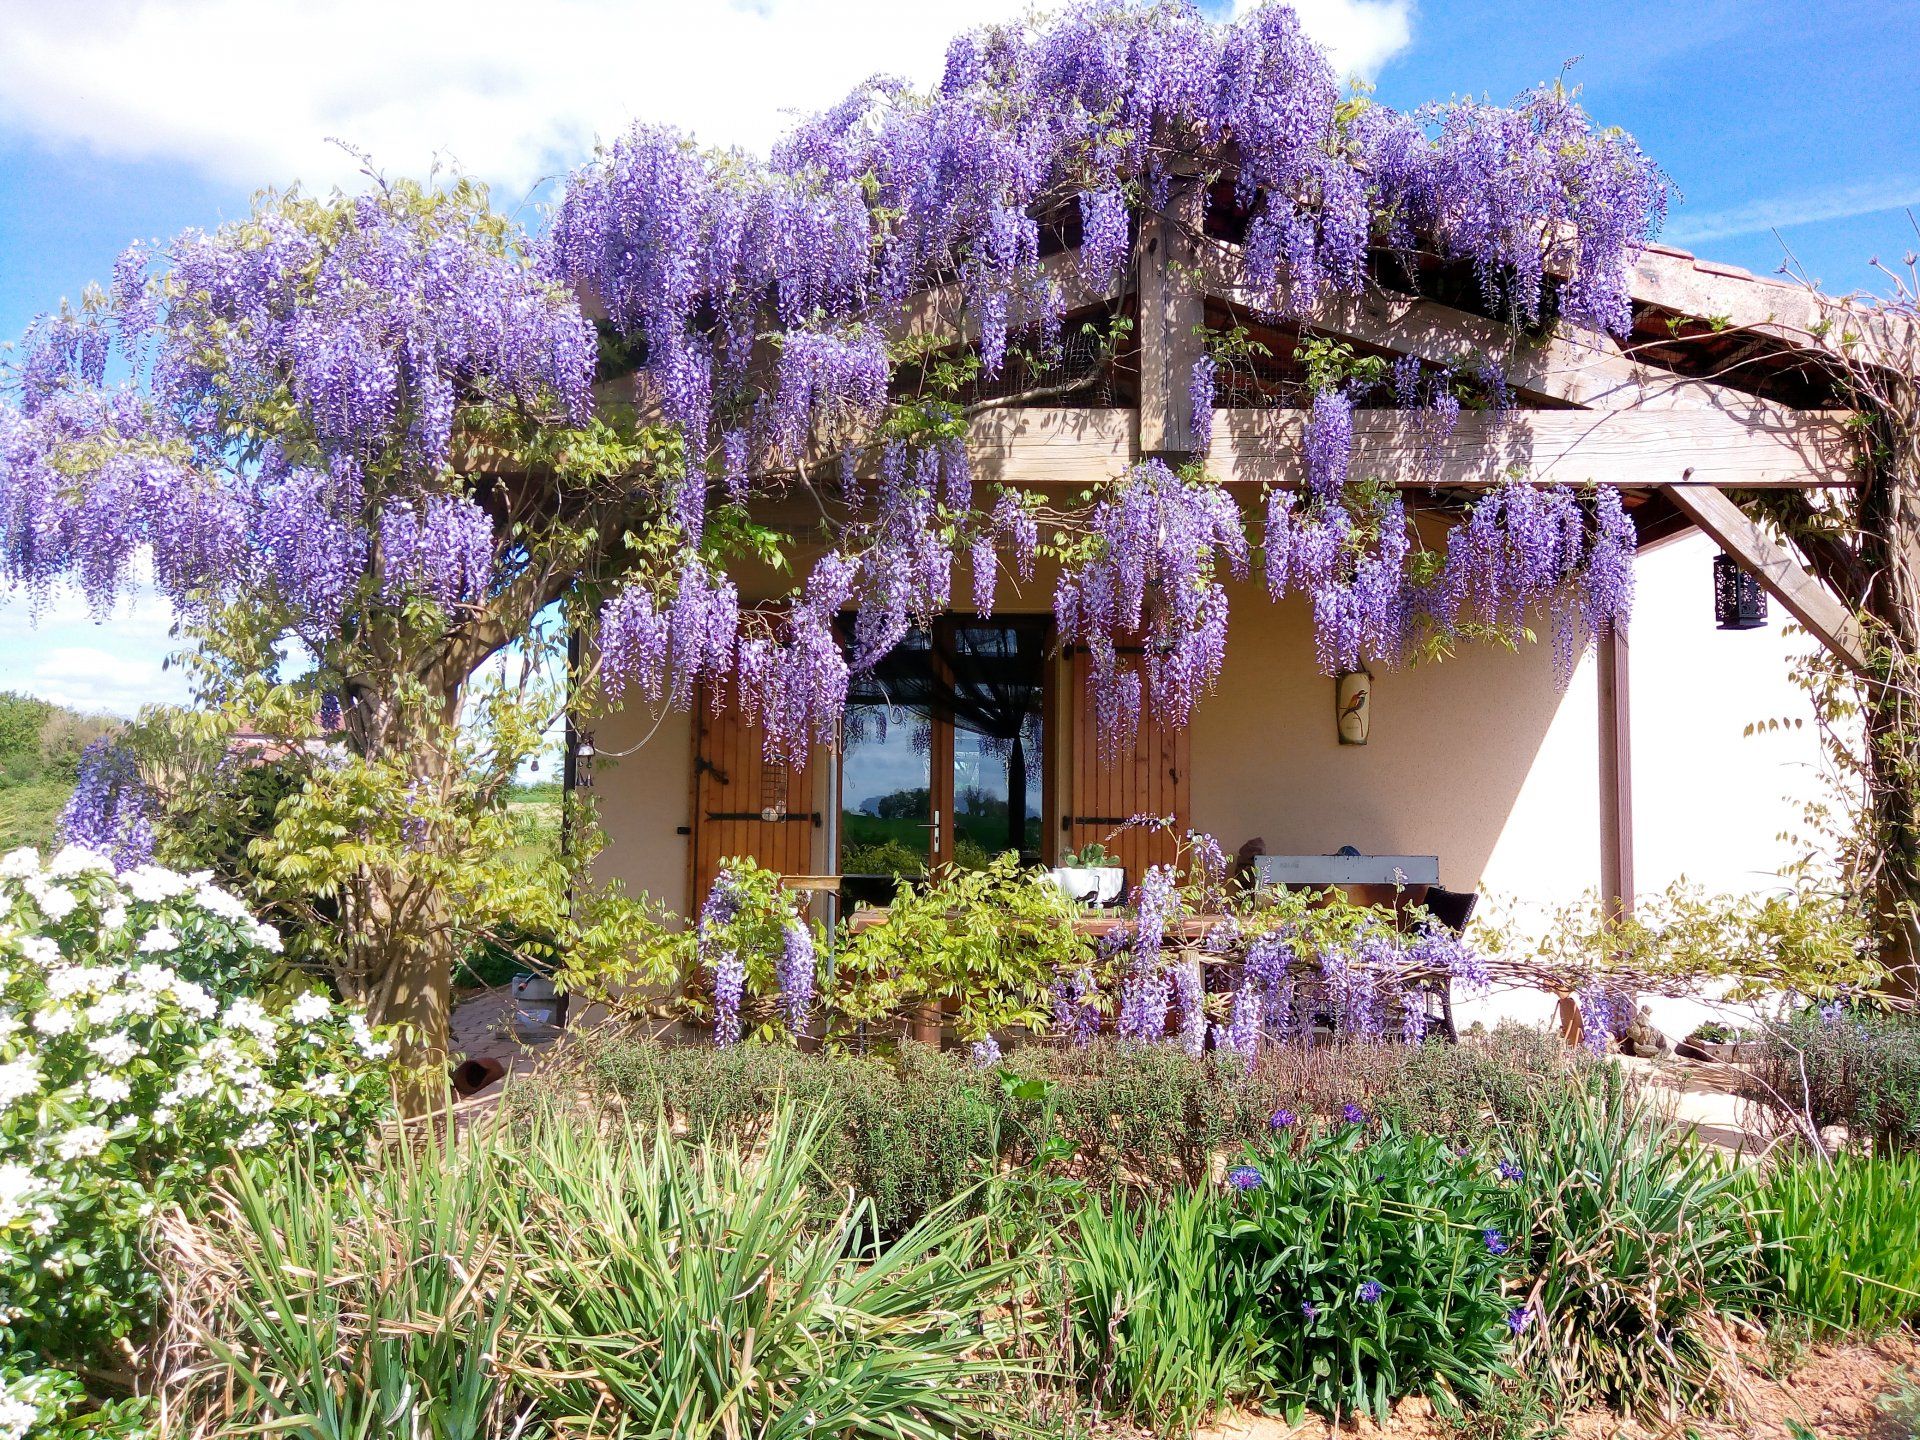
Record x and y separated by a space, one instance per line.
721 962
1158 544
794 973
666 654
352 334
796 689
1145 991
1189 997
1076 1007
1015 524
442 550
1200 399
1520 548
108 810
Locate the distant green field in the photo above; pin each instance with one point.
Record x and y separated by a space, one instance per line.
29 810
40 745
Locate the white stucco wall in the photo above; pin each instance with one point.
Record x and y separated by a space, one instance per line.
1711 803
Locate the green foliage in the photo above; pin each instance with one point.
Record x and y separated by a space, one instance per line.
1515 1076
1147 1311
907 1134
1843 1238
988 939
1090 856
1854 1067
658 957
915 1127
1643 1244
883 857
586 1278
324 1310
52 1404
308 828
1809 939
1334 1214
22 718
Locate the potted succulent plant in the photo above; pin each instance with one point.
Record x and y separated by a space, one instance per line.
1090 876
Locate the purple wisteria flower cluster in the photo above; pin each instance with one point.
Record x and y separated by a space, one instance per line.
108 810
746 933
364 335
301 385
1520 546
1159 542
1085 119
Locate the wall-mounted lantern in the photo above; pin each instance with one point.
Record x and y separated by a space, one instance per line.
583 760
1738 601
1353 705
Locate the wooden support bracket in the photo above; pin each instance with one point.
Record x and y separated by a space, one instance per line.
1769 562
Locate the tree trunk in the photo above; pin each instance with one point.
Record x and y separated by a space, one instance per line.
399 928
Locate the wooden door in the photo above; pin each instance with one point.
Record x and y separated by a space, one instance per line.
1144 774
743 805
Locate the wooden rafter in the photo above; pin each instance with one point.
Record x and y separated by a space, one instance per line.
1769 562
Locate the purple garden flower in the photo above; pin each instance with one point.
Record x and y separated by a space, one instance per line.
1283 1120
1309 1310
1496 1242
1370 1291
794 972
1353 1114
1519 1318
1511 1172
1244 1177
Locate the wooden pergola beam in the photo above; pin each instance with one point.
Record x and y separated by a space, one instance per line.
1769 562
1635 450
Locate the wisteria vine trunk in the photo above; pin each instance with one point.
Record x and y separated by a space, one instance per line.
1866 550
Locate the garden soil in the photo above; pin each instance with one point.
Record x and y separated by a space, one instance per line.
1838 1392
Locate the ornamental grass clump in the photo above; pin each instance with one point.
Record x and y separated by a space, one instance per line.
1370 1264
1843 1238
1146 1311
1643 1246
552 1275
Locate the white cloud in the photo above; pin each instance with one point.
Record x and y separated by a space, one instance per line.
90 679
1779 212
114 663
1361 35
250 90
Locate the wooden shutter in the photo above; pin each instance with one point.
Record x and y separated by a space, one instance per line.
743 805
1146 774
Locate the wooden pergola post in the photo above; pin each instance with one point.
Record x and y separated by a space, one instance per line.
1616 798
1616 777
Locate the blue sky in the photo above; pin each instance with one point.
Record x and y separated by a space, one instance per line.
138 118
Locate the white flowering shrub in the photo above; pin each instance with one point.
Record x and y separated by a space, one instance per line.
140 1047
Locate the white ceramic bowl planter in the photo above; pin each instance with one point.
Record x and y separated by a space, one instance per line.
1090 884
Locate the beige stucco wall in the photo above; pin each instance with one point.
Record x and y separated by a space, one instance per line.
1450 747
641 775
